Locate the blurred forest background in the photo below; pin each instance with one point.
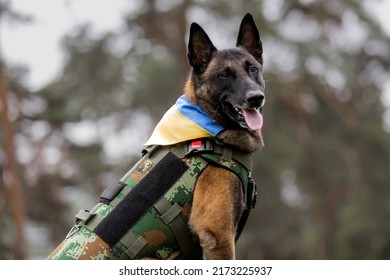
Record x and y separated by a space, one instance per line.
324 174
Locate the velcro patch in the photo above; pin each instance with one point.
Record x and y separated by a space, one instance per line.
141 198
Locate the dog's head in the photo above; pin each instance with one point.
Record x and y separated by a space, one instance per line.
228 84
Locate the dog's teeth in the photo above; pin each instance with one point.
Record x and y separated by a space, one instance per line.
238 110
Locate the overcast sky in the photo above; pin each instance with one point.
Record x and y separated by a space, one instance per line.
37 45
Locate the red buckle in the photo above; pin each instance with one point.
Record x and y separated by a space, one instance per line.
196 144
199 145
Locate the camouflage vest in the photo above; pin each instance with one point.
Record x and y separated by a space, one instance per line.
145 214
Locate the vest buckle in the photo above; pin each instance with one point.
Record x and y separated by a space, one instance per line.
199 145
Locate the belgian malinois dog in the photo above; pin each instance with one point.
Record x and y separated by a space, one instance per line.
229 86
226 88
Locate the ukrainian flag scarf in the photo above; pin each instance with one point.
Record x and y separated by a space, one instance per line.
182 122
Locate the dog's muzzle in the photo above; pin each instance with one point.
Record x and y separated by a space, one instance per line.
248 114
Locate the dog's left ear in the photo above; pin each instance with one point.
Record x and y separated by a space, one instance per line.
249 38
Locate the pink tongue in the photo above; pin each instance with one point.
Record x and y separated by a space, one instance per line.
253 118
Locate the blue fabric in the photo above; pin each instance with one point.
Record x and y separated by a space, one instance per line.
195 113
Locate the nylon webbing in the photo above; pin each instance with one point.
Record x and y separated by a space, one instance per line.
89 219
84 217
124 192
170 214
92 223
136 245
181 150
244 158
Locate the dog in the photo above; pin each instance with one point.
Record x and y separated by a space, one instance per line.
229 86
224 93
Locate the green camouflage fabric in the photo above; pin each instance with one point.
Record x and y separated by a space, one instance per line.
233 165
150 237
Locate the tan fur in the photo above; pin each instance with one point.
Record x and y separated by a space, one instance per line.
214 213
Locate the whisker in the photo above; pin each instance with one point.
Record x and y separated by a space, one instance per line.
215 111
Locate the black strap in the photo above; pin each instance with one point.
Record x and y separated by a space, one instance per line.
242 222
111 191
140 199
250 204
251 194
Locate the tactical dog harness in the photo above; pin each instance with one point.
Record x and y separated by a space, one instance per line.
145 214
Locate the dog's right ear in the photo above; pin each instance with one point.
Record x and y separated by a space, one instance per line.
200 49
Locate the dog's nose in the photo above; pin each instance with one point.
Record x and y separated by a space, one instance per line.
256 99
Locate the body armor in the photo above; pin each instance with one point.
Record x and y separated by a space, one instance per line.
145 214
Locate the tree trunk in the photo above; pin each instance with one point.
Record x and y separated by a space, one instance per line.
10 174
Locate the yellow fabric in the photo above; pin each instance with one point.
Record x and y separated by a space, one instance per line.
174 127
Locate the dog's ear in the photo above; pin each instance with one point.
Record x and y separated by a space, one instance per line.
249 38
200 48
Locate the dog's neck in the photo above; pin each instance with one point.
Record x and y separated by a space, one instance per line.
189 91
241 139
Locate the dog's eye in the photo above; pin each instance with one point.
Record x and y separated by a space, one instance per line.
224 75
253 69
